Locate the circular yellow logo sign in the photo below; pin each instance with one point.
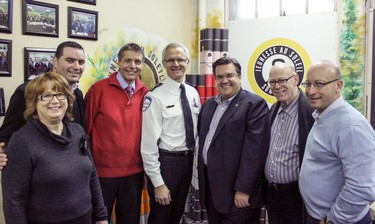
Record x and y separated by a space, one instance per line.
268 54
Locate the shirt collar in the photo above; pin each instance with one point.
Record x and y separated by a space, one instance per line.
74 86
122 81
292 107
173 84
227 101
337 103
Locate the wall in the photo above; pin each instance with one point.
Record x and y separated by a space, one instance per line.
170 20
290 41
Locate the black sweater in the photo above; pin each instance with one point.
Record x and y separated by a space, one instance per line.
50 178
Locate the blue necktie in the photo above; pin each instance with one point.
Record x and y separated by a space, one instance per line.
188 119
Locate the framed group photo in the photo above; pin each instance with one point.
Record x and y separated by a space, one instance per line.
38 61
39 18
82 23
90 2
6 15
5 57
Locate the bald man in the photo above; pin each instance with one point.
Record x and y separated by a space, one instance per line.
291 122
337 180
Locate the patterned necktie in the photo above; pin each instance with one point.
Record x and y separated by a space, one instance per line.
188 119
129 90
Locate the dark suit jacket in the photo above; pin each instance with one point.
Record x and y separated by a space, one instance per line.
13 119
305 120
79 109
238 151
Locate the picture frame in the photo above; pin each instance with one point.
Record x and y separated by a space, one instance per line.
82 23
6 16
37 61
90 2
5 58
40 18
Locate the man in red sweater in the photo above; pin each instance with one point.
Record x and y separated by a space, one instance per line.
114 118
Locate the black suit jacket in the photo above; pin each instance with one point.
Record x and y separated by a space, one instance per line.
238 151
13 119
305 120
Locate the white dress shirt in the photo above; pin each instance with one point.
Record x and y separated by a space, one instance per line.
163 124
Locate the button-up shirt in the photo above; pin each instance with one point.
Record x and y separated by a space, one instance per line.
123 83
163 124
282 164
220 110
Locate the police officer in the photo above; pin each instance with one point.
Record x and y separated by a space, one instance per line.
167 157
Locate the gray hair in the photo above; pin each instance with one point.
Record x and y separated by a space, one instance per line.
175 45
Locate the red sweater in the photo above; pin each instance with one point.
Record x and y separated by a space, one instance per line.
114 124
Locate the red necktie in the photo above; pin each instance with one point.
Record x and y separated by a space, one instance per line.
129 90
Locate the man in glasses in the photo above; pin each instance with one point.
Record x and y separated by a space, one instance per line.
69 62
337 180
291 122
170 114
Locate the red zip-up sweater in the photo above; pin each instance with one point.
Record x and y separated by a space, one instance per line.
114 124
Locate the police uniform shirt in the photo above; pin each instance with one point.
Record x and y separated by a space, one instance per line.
163 124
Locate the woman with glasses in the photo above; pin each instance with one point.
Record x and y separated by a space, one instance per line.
50 176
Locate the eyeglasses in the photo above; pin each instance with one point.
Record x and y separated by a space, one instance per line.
49 96
281 82
179 60
317 85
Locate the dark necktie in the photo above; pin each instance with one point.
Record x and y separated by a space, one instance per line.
129 90
188 119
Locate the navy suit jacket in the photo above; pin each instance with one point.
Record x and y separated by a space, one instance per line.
238 151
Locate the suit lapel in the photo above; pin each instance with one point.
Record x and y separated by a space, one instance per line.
232 108
211 107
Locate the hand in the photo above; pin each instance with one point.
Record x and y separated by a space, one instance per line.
3 156
162 195
241 200
101 222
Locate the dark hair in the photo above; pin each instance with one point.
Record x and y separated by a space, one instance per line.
225 61
130 47
38 86
72 44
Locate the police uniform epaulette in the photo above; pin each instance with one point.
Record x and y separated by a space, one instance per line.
159 84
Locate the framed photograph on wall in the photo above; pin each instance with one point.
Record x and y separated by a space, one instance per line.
5 57
6 16
90 2
82 23
37 61
39 18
